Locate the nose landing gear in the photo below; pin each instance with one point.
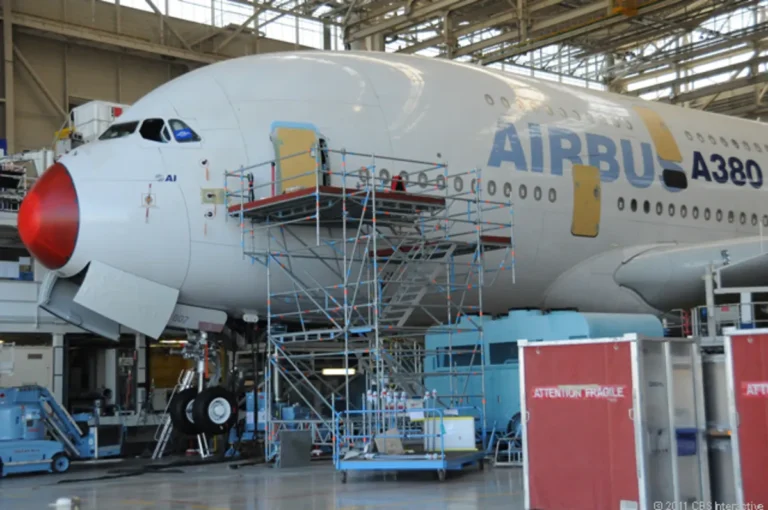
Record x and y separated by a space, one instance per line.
196 409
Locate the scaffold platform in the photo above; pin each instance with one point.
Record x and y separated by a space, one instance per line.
330 201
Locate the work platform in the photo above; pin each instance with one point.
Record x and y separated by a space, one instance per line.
451 461
300 205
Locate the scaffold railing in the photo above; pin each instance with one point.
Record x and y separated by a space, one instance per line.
358 266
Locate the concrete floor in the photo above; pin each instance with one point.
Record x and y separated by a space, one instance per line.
259 487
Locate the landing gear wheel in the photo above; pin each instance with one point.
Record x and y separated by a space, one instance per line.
215 410
481 465
60 463
181 412
441 475
343 477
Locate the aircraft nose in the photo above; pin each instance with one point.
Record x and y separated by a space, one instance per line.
49 218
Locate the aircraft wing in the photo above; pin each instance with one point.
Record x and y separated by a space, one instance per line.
661 277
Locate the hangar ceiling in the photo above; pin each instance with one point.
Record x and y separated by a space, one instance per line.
707 54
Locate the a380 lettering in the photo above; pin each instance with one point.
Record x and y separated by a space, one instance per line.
723 170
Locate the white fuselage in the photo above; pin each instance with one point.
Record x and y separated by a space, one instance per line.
420 108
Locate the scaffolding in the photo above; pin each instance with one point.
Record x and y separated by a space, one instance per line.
357 269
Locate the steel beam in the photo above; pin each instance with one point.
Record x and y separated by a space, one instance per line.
738 83
415 16
605 22
238 30
170 27
733 68
40 83
509 17
535 28
688 59
49 28
461 31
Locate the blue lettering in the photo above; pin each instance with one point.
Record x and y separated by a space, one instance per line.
559 153
499 152
721 174
607 156
754 174
537 148
700 169
738 177
170 178
638 181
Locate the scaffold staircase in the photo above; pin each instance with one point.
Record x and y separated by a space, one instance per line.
411 286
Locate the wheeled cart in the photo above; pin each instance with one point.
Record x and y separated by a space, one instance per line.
418 440
612 423
450 461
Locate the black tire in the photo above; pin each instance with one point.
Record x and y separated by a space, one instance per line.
181 410
60 463
215 410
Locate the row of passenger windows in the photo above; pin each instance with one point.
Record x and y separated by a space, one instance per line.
531 106
155 130
734 143
458 185
671 210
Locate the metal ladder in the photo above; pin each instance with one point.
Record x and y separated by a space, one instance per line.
186 380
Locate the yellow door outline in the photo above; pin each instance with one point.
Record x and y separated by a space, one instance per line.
586 201
295 163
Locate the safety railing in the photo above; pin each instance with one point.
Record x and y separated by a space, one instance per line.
15 182
695 322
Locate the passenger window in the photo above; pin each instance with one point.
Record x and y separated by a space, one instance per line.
119 130
155 130
182 132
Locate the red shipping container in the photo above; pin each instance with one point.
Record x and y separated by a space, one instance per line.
747 368
607 422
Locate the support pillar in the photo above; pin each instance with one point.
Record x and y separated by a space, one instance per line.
10 131
327 36
59 354
110 372
746 311
709 288
141 371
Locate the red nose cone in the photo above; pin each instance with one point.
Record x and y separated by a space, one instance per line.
49 218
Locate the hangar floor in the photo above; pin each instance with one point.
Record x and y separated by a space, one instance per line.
257 487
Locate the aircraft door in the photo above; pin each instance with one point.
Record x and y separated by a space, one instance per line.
300 169
586 201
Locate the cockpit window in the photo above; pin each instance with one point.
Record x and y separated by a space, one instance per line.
155 130
182 132
119 130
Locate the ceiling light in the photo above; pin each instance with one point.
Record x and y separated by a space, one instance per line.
338 371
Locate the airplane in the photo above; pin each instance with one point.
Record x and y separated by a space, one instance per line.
133 230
